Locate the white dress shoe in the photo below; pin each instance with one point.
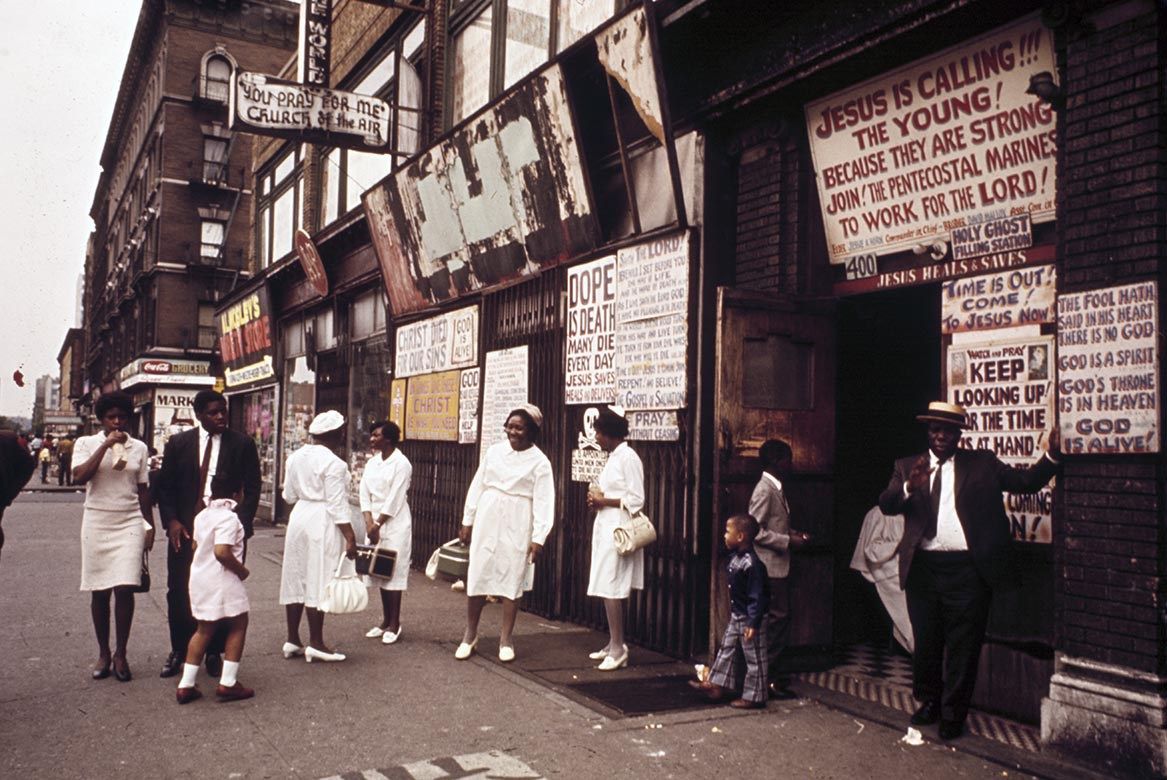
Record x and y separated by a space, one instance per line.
291 651
312 654
506 654
389 637
612 663
465 649
375 632
599 655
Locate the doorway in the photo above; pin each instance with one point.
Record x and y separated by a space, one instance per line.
889 369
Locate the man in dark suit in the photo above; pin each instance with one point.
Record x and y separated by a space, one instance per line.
190 461
954 551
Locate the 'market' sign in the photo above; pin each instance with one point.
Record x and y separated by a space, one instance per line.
269 106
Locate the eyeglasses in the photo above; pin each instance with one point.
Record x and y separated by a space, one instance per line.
514 428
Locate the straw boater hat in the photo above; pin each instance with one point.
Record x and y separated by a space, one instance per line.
325 422
941 412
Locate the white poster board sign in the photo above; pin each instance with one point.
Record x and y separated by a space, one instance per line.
439 343
948 141
1022 297
1007 390
1108 370
468 406
590 376
505 388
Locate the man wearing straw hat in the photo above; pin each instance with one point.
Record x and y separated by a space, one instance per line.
954 551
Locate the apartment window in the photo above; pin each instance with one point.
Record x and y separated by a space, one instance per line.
215 75
214 159
207 330
278 206
213 235
394 76
531 32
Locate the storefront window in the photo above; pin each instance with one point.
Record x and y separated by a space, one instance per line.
369 401
471 66
254 415
577 19
528 38
299 404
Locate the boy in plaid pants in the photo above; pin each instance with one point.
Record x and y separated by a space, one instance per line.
749 597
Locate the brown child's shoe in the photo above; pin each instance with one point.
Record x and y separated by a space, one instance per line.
235 692
742 704
187 695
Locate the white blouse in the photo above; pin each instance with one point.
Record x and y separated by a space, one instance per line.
385 485
109 489
523 473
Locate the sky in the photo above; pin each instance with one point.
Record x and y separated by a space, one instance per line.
62 61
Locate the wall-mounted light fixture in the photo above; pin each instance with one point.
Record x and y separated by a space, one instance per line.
936 250
1042 85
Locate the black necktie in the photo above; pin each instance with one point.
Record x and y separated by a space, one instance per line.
930 531
205 469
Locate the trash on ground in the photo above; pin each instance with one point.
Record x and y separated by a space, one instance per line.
913 737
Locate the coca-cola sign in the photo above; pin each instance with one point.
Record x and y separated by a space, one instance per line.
155 367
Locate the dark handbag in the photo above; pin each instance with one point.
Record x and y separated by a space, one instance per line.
143 586
375 562
453 560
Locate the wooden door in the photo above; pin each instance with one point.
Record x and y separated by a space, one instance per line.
775 378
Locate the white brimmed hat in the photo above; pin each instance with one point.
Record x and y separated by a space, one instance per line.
325 422
941 412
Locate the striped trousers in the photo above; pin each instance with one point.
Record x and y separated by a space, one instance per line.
725 665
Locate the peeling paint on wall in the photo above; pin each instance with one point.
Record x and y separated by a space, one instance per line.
625 53
500 198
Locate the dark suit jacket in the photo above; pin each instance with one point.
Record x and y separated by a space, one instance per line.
980 479
177 487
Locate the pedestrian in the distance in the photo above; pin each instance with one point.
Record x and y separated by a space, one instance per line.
748 601
65 461
510 508
619 492
954 552
388 522
45 456
217 595
319 532
116 526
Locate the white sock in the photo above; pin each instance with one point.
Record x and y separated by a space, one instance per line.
230 673
190 674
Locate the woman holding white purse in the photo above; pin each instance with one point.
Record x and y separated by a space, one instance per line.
388 522
620 491
319 532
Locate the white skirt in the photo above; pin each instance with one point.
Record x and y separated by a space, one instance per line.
396 535
112 541
499 565
312 548
612 575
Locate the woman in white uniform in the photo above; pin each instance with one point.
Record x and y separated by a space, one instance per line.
117 525
319 532
388 523
509 511
614 576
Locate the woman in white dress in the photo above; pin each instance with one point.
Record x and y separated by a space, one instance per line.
614 576
319 532
117 525
388 523
509 511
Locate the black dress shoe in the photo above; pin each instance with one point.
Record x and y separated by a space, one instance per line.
172 665
781 692
928 714
214 664
121 671
951 729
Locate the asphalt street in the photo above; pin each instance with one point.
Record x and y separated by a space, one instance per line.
407 710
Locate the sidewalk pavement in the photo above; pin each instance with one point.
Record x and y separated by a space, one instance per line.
407 710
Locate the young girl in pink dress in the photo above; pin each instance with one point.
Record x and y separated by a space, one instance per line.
217 595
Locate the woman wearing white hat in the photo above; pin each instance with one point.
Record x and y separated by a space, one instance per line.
319 532
510 507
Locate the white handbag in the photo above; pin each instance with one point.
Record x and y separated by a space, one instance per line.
344 593
633 533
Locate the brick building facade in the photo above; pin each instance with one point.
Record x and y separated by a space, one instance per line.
171 206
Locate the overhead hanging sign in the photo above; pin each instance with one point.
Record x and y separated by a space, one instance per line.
938 145
315 42
1109 384
266 105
